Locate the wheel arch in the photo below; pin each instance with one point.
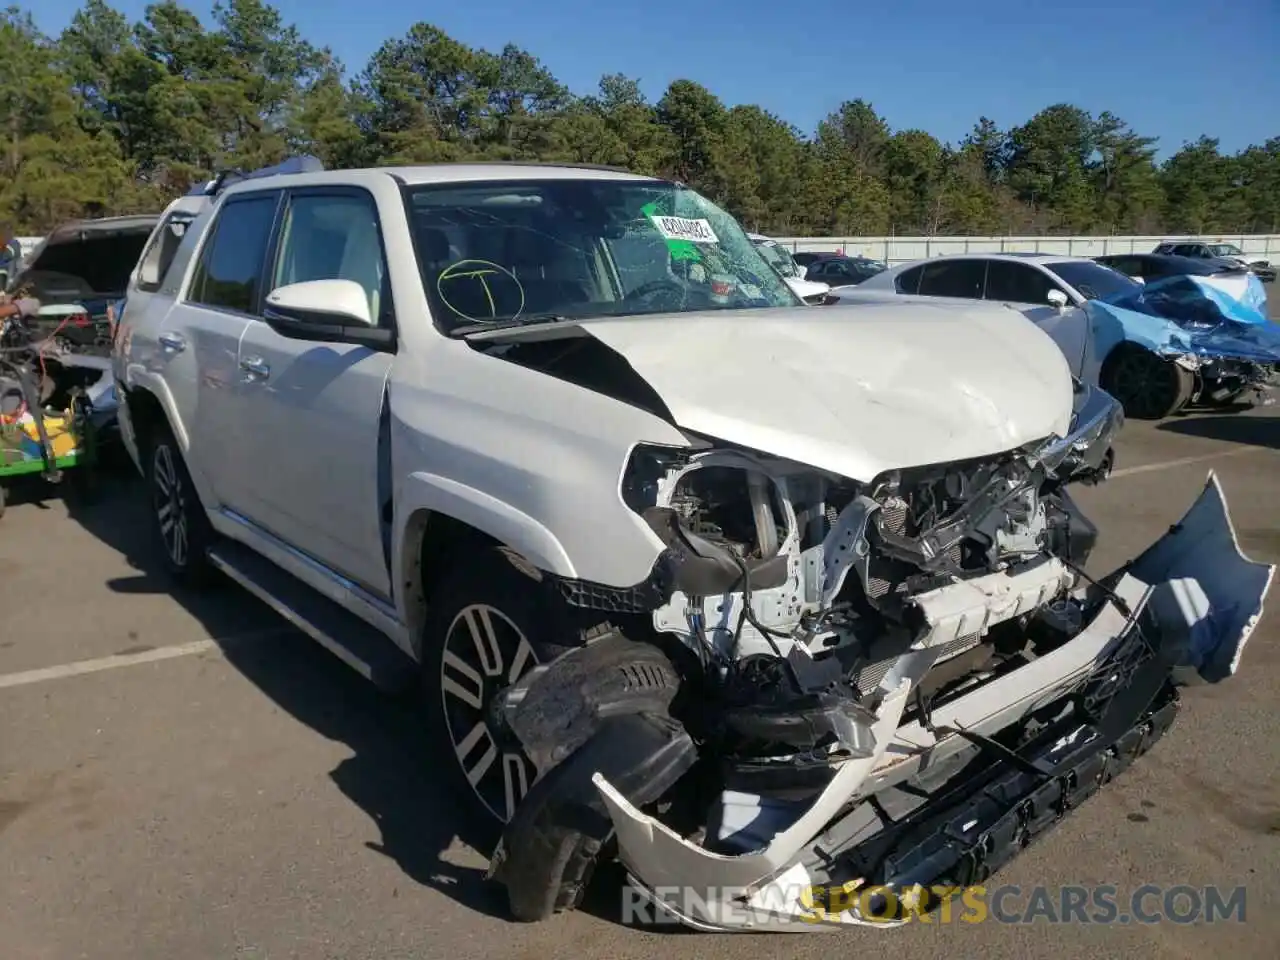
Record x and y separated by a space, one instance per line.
445 519
150 405
1188 380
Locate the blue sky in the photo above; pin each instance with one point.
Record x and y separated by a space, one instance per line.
1171 68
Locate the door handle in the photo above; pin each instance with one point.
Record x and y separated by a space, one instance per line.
173 342
256 366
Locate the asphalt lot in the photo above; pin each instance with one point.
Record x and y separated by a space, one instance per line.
224 788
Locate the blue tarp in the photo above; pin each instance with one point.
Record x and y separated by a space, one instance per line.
1179 316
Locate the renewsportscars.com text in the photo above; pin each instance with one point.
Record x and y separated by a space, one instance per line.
1008 904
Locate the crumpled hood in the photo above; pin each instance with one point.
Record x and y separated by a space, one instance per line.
1201 300
1205 317
855 390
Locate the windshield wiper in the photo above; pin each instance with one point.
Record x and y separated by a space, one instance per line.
482 327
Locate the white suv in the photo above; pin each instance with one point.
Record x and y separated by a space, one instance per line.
677 559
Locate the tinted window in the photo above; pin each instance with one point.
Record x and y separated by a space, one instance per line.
1093 280
333 237
908 281
953 278
1187 250
1017 283
229 272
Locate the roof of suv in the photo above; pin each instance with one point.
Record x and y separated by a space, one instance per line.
443 173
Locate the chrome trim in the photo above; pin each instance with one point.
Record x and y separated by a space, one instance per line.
362 593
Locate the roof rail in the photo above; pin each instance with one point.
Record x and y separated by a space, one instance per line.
303 164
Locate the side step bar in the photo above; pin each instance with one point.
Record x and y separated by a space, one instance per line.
343 634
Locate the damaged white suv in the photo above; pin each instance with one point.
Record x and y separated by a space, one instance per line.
771 602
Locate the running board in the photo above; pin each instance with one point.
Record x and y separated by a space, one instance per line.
357 644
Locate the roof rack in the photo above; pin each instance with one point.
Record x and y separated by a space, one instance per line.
566 164
304 164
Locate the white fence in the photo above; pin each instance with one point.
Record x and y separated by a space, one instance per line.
901 249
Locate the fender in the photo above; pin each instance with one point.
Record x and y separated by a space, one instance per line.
139 379
506 524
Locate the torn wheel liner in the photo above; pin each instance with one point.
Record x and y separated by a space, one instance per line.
551 846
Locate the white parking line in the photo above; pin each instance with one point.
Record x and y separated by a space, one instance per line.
1184 461
99 664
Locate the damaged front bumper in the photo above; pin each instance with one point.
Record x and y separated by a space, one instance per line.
995 767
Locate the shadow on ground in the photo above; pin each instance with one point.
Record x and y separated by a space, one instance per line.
1255 431
389 775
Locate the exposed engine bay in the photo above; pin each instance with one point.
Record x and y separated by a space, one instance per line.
796 610
799 593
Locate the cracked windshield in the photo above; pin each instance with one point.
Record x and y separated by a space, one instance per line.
566 249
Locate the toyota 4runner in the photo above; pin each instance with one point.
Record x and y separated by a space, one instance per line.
756 597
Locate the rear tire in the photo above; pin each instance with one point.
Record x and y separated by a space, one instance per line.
1147 386
179 524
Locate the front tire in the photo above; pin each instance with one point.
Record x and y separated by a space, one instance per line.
1147 386
488 623
179 524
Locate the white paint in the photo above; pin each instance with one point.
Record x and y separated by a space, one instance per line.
856 390
80 667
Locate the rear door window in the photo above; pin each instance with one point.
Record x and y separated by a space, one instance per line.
1017 283
954 278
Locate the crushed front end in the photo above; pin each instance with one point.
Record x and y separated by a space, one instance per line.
829 686
1216 328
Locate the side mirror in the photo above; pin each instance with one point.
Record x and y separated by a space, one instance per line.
1057 299
325 310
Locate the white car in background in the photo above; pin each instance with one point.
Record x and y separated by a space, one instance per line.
779 257
1040 286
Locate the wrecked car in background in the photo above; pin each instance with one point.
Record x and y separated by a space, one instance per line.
750 595
77 273
1156 347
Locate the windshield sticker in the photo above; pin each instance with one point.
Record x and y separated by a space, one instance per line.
483 283
677 249
690 231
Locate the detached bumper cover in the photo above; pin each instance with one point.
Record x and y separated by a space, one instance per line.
1182 612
